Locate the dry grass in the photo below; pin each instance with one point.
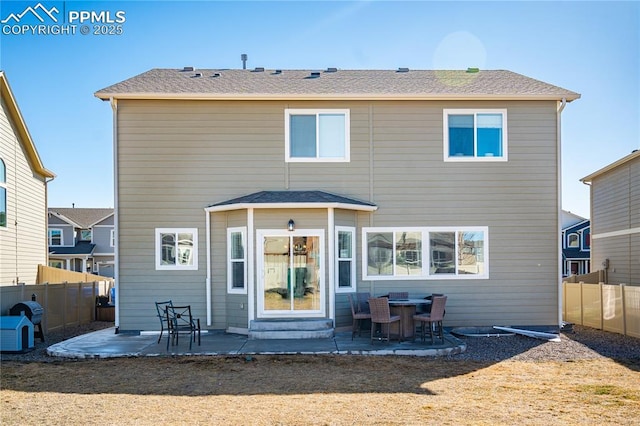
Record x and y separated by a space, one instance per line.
318 390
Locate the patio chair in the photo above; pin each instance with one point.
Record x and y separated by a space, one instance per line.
161 307
435 317
358 316
381 314
362 299
398 295
181 321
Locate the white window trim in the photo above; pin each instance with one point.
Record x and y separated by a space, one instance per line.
86 230
353 258
578 240
474 112
230 289
347 135
158 251
426 252
61 237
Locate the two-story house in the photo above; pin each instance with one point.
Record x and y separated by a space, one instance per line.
576 244
82 240
23 196
256 195
615 219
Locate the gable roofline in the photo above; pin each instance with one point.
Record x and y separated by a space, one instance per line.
64 218
23 132
588 179
100 220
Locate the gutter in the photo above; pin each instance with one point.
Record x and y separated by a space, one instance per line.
563 104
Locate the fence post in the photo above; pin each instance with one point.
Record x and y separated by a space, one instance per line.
601 307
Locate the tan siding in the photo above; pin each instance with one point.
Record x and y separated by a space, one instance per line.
177 157
23 246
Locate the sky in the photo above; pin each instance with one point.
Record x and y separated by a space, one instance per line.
592 48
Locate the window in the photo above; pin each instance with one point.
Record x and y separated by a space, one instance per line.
421 253
317 135
573 241
345 259
112 237
56 264
3 195
85 235
475 135
177 249
55 237
237 265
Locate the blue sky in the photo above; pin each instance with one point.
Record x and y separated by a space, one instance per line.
592 48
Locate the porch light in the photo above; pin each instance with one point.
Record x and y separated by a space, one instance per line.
291 225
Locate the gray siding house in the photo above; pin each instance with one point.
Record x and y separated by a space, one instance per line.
615 220
272 194
23 196
82 240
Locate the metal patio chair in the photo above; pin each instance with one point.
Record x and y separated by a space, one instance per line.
181 321
161 307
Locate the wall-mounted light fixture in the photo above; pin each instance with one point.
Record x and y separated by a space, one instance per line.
291 225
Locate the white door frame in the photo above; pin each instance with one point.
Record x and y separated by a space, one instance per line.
260 235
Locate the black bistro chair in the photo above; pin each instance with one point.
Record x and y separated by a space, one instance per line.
181 321
161 307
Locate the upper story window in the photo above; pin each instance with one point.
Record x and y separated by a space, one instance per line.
3 195
85 235
475 135
177 248
573 241
55 237
317 135
586 239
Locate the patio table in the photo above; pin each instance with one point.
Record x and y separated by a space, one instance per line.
406 308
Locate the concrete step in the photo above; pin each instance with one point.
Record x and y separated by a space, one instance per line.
291 329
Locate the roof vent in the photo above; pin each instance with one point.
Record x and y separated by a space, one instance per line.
315 74
243 58
188 69
332 70
217 74
473 70
258 69
277 72
403 69
198 74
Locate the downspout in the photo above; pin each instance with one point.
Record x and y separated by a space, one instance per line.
559 213
331 224
207 220
116 215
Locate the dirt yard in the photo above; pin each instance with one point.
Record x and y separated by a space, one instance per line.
319 390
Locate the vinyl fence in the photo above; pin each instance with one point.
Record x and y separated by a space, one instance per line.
65 305
609 307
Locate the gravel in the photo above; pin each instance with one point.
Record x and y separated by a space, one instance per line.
583 343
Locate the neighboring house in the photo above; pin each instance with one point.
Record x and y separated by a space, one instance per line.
82 240
23 196
615 219
270 194
576 245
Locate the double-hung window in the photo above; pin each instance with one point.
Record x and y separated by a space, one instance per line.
55 237
176 249
475 135
317 135
345 259
237 260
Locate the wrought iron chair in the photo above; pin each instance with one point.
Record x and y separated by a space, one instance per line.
161 307
181 321
381 314
358 316
434 317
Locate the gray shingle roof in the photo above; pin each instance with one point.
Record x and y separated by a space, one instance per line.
353 84
321 198
85 217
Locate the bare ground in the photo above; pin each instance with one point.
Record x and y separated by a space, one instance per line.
323 390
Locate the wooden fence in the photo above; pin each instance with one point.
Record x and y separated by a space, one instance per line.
609 307
47 274
65 305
